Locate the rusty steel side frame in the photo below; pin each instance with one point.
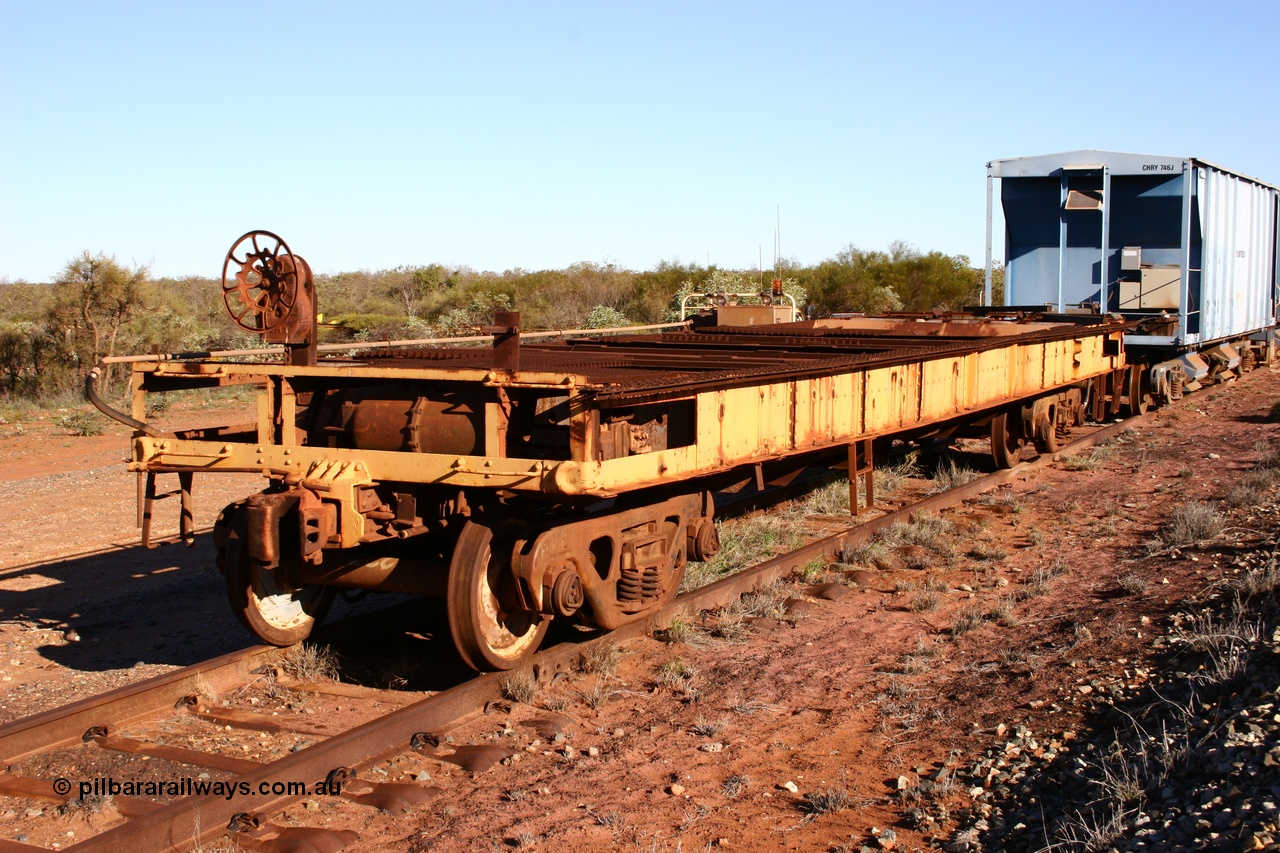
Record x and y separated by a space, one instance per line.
620 563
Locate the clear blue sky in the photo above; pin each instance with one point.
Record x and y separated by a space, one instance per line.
536 135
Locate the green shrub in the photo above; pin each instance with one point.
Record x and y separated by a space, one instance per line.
82 423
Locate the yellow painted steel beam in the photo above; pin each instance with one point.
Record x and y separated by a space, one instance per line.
735 426
494 378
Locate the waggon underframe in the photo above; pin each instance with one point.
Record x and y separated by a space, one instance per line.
576 479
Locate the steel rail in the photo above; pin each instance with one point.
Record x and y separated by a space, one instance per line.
724 591
196 820
67 725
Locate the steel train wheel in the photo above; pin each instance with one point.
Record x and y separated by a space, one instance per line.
1048 438
1006 440
489 631
1139 397
277 614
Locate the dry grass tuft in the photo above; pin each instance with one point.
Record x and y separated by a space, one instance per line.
931 531
1003 613
82 424
676 674
923 602
826 801
1252 489
307 662
520 687
966 620
987 551
766 602
922 659
596 697
735 786
559 702
602 659
1080 634
1189 525
831 499
927 530
702 727
739 704
1132 583
888 479
948 475
1259 581
89 805
813 570
870 553
1090 461
683 631
1226 640
744 542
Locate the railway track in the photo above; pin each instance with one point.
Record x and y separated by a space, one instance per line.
133 721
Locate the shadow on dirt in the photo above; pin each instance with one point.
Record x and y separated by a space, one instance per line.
168 606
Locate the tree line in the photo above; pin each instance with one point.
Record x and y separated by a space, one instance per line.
52 334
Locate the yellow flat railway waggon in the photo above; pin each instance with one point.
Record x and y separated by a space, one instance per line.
573 478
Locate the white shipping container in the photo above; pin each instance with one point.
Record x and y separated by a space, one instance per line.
1141 235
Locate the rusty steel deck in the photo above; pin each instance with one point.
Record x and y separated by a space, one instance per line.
599 417
633 369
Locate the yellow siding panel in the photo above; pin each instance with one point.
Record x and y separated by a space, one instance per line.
744 424
940 397
774 419
883 399
844 405
711 408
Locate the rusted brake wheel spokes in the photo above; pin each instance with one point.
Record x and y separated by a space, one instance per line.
259 281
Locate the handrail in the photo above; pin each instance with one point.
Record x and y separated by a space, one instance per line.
91 391
91 380
366 345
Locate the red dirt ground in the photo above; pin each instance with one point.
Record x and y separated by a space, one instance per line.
706 744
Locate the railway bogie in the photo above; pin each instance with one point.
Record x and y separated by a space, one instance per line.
575 479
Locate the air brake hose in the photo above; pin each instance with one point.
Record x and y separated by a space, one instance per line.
91 391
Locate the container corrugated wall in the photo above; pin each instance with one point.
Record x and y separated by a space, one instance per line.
1238 238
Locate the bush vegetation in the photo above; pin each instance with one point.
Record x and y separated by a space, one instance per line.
52 333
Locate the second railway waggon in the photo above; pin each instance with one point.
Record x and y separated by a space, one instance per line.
572 478
1188 250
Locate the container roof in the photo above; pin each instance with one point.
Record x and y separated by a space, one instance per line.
1089 160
